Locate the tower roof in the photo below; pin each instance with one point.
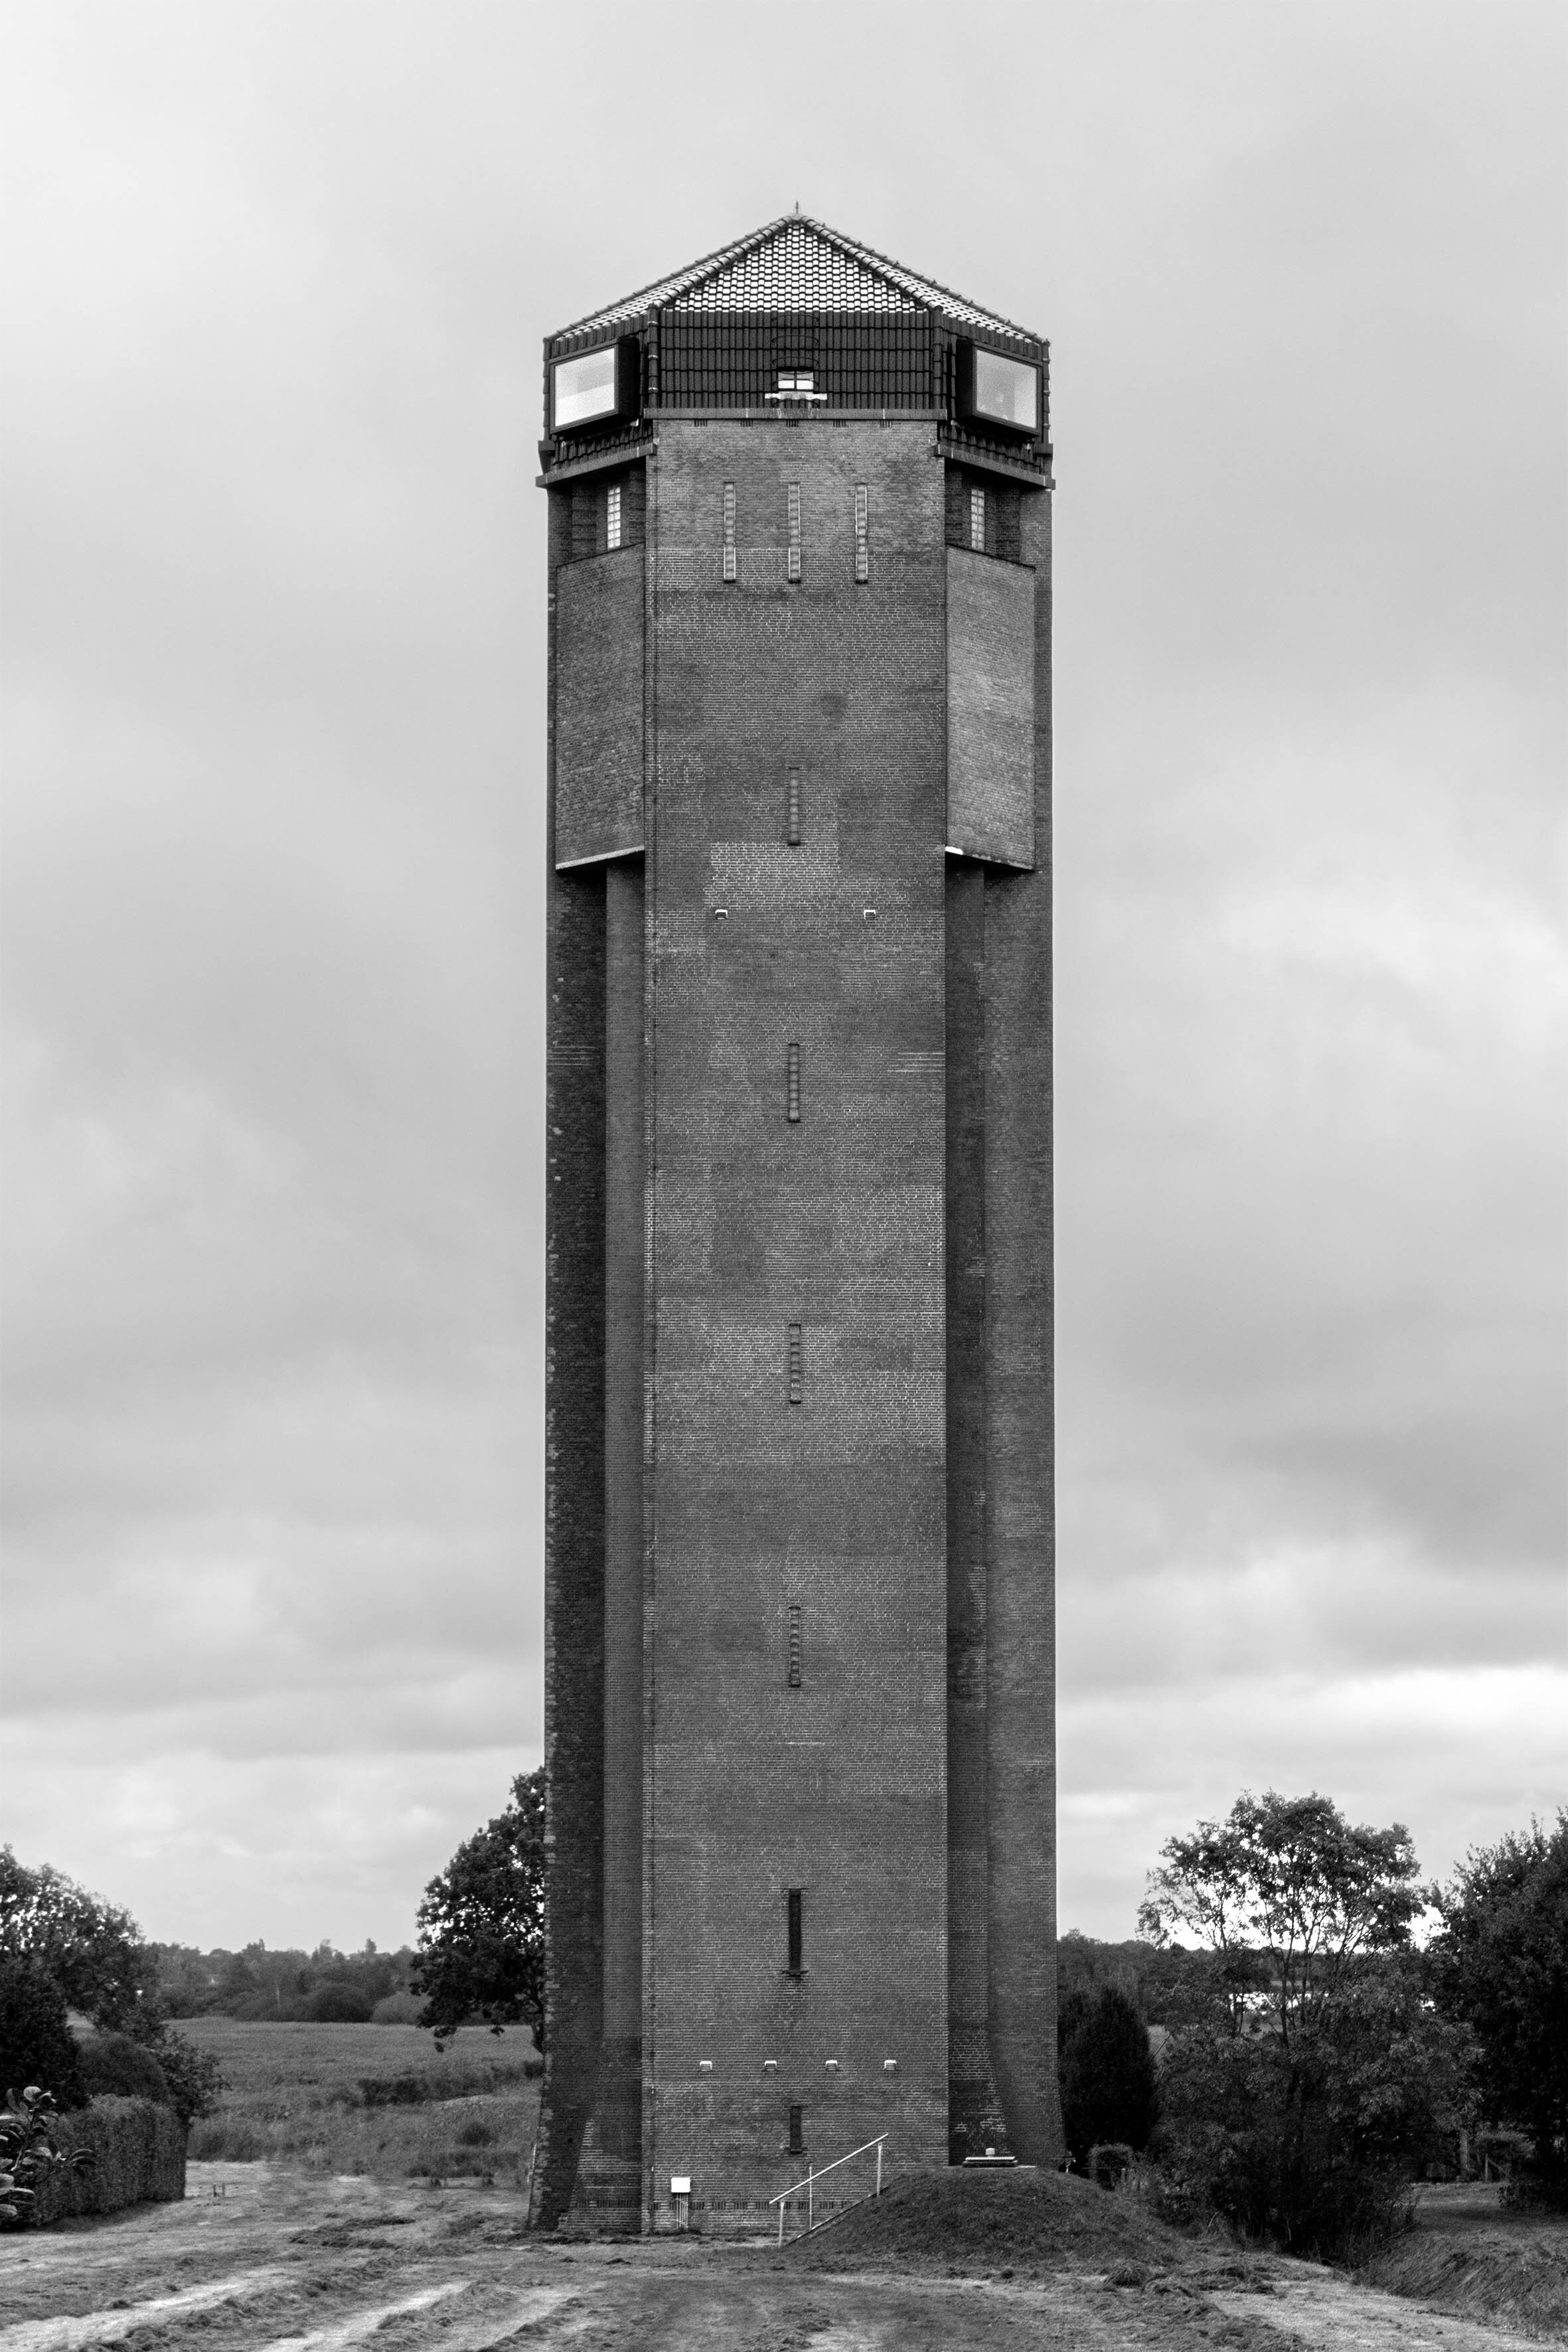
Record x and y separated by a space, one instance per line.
793 265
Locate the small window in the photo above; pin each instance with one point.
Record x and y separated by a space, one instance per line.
796 1365
792 1086
612 515
862 539
797 2131
730 530
792 809
796 1937
795 531
794 1669
792 383
977 521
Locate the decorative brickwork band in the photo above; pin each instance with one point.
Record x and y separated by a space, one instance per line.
792 1087
796 1361
792 809
729 531
794 1645
862 540
795 531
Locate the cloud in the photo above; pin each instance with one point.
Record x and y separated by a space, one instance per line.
273 909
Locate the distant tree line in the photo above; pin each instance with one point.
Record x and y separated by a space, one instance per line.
325 1987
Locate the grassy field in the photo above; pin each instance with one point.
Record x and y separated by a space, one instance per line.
375 2099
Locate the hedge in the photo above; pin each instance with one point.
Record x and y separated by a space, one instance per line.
139 2159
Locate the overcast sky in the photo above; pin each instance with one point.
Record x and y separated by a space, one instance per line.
276 281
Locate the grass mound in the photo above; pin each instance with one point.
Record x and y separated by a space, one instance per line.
1517 2278
991 2221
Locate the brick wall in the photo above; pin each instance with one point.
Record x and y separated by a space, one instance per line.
1020 1450
902 1509
836 1504
574 1483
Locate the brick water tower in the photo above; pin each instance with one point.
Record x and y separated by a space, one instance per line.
799 1557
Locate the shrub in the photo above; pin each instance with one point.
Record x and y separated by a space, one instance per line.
334 2002
1313 2139
30 2155
194 2076
397 2009
1109 2088
136 2155
227 2139
477 2134
36 2045
114 2066
396 2090
1110 2162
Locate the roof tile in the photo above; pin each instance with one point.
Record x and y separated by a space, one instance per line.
796 264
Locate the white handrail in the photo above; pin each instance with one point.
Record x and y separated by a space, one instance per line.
812 2178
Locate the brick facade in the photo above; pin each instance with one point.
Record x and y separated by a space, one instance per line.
799 1574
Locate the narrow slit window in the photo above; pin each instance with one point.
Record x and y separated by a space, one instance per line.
794 1645
792 809
862 535
797 1936
797 2131
795 531
729 531
796 1365
792 1086
612 515
977 521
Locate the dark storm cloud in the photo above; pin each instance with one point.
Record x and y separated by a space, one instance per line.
274 721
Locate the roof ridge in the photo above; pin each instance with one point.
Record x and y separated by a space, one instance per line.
892 274
912 281
675 281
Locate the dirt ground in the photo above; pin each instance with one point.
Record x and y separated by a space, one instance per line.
267 2259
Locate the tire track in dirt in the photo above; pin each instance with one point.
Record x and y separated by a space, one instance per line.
523 2311
77 2332
359 2324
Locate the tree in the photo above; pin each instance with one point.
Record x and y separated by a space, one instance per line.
95 1957
93 1950
1291 1897
36 2045
1320 2076
1500 1962
1314 2141
481 1925
1108 2087
113 2066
